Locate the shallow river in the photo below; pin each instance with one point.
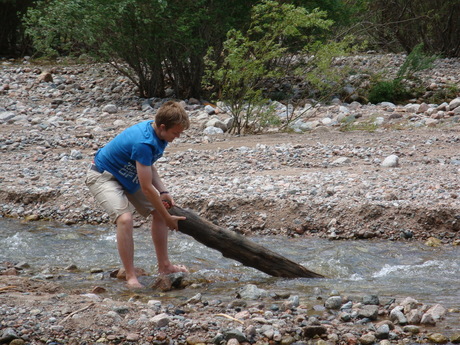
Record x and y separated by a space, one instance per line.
387 269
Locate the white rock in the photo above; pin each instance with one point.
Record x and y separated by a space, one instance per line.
110 108
422 108
344 109
391 161
442 106
229 122
326 121
213 130
438 115
160 320
215 122
379 121
354 105
388 105
209 109
154 302
454 103
309 125
437 312
431 111
202 116
6 115
76 154
119 123
412 108
251 292
431 122
340 117
341 160
83 121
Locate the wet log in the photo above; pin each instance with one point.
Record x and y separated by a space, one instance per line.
239 248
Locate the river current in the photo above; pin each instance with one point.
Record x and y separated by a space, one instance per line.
387 269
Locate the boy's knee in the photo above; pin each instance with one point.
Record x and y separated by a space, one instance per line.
125 219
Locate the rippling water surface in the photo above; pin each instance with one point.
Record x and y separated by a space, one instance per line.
388 269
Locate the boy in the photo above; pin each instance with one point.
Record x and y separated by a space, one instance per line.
123 179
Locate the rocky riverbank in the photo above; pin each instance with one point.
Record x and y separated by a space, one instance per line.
34 312
397 181
345 171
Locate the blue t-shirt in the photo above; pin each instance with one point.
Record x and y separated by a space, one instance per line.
136 143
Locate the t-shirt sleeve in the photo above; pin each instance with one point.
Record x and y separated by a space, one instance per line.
142 153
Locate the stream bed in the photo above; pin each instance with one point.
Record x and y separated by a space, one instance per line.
383 268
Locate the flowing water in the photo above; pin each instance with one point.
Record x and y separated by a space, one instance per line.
387 269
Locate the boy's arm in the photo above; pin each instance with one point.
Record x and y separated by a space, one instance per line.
165 197
146 180
156 180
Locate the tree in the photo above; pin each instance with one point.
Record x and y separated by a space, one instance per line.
282 42
396 24
12 40
157 44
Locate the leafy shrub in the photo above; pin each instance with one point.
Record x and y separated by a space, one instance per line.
388 91
416 61
156 44
264 52
399 88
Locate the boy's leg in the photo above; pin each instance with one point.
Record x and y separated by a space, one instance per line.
125 244
160 240
110 194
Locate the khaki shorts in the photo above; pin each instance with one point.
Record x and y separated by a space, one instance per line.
113 198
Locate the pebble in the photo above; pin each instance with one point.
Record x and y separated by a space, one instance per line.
438 338
391 161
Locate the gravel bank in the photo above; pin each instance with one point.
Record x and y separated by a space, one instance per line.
327 179
34 312
399 182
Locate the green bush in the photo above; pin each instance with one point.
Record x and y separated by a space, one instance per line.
387 91
264 53
415 62
399 89
157 44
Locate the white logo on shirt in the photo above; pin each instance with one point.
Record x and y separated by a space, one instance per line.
129 171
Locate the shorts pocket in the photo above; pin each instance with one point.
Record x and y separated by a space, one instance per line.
91 177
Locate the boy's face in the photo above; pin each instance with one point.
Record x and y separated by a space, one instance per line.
170 134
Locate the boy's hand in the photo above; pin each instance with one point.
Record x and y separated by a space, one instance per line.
172 223
167 204
167 201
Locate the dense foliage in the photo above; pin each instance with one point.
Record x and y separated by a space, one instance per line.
403 24
258 54
399 88
238 46
157 44
12 40
272 51
388 24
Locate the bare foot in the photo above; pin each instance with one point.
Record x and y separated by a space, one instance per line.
173 269
134 284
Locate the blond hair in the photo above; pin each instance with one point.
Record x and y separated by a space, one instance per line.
170 114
